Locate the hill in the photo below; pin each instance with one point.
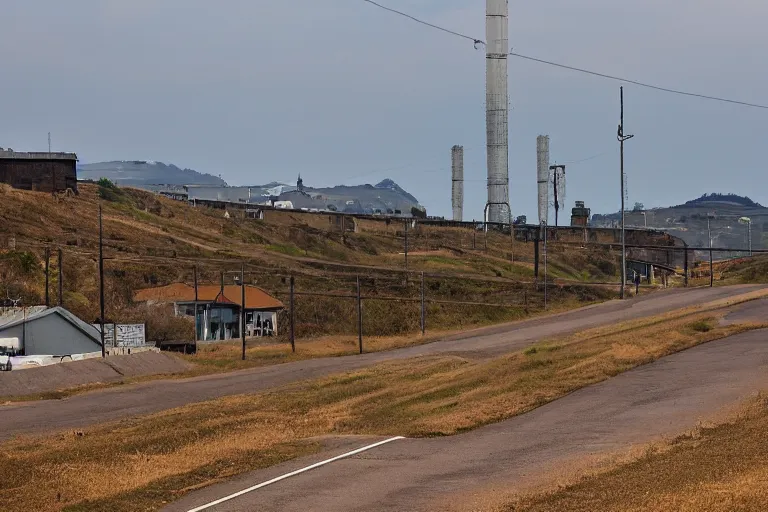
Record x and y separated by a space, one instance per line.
151 240
689 221
140 173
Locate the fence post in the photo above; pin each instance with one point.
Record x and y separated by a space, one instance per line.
536 258
405 245
423 308
47 273
293 316
685 268
359 316
61 280
242 306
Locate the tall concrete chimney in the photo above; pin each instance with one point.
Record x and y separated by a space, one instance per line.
497 109
542 177
457 173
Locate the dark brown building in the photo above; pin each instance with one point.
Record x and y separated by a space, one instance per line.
45 172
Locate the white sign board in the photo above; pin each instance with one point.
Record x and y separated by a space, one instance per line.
124 335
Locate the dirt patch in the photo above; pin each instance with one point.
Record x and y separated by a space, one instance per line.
52 379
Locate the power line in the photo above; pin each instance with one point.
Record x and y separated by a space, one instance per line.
572 68
573 162
474 41
641 84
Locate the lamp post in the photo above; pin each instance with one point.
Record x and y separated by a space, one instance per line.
748 222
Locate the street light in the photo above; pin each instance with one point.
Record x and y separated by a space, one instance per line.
748 222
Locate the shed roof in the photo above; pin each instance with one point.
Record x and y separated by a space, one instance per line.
16 155
255 298
83 327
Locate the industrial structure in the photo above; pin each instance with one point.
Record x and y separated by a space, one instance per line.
580 215
542 177
44 172
497 110
457 181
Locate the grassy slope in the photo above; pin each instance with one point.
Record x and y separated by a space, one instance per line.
154 241
158 458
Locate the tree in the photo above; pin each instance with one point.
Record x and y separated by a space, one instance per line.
639 207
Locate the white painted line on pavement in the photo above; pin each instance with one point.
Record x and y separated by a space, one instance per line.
294 473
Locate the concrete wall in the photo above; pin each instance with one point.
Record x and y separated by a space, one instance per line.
43 175
51 335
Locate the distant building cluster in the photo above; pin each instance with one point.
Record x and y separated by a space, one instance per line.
383 199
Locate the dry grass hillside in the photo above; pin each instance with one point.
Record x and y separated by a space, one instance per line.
150 240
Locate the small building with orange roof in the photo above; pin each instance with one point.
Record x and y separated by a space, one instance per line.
218 310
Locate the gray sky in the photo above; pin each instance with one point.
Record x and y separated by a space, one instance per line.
342 92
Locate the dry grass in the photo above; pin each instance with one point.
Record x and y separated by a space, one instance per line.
154 459
720 468
151 241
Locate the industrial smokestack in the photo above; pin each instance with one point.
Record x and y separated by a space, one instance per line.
542 176
497 109
457 195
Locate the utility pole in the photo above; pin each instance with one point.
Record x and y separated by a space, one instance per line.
622 139
47 278
545 266
242 306
405 244
196 300
711 265
51 167
61 279
293 314
101 283
555 170
423 308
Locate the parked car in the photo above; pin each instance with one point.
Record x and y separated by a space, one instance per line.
9 347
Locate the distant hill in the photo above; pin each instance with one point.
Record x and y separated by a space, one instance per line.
723 199
141 173
689 221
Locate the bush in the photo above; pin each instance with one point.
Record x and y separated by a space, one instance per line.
702 326
108 191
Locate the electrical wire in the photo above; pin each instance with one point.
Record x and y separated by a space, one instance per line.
474 41
641 84
573 162
573 68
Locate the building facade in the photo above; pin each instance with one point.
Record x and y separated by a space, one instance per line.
217 310
49 332
44 172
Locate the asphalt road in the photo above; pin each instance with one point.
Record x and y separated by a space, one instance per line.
661 399
134 400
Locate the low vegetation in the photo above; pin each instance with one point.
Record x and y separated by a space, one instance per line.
156 459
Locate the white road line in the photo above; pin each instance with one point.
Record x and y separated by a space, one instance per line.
294 473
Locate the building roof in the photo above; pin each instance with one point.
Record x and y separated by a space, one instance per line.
255 298
15 155
17 313
37 313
